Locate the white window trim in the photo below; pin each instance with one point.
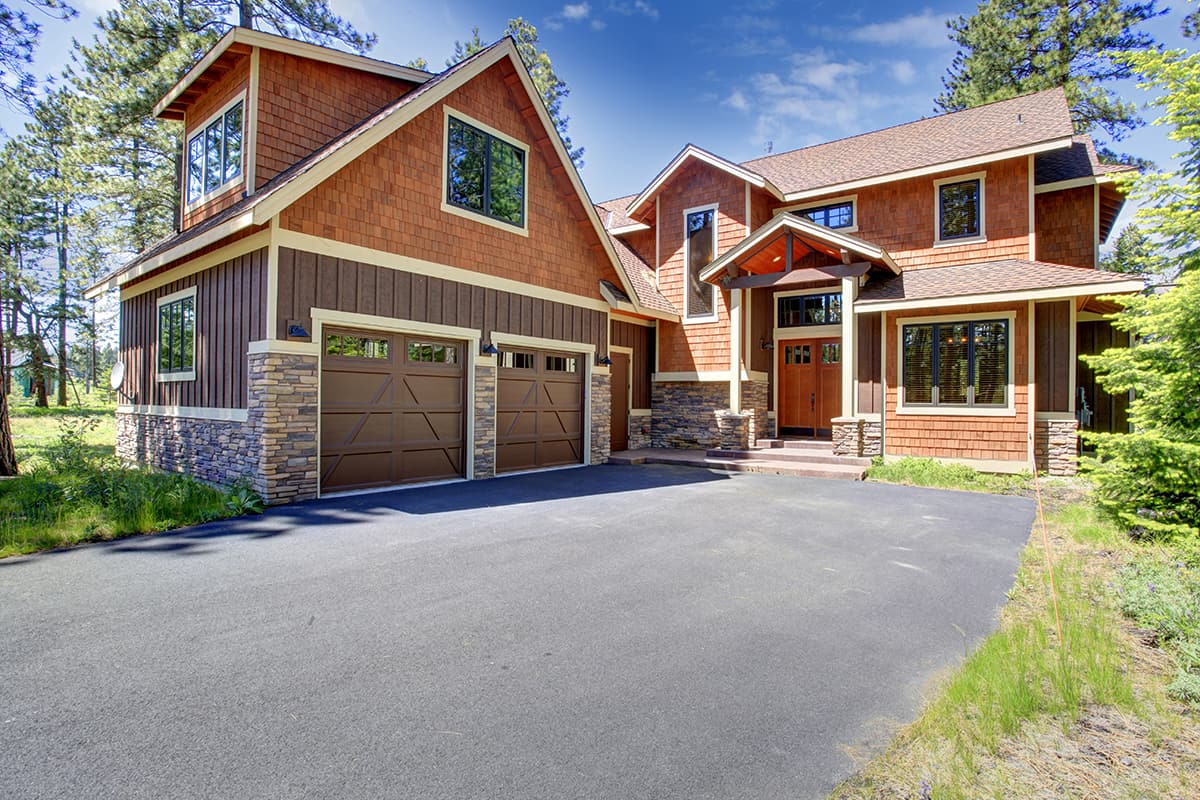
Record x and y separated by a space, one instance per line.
205 196
1007 410
479 216
176 377
938 241
852 199
688 319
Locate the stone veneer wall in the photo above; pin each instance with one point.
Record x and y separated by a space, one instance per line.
217 451
601 422
857 437
283 405
872 438
754 403
639 432
1056 446
485 418
734 429
685 414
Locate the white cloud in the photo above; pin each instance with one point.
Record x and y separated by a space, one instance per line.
576 12
903 71
737 101
815 68
599 24
629 9
926 29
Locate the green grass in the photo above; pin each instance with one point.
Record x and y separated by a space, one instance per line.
936 474
72 490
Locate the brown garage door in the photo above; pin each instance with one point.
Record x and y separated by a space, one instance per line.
539 409
391 409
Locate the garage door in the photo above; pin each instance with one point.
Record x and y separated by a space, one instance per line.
391 409
539 409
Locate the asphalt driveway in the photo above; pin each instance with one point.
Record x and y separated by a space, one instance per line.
608 632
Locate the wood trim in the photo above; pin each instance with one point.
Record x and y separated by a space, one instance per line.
691 151
852 199
187 412
479 216
229 252
1073 183
1032 211
981 177
800 276
252 122
517 340
327 316
1122 287
284 346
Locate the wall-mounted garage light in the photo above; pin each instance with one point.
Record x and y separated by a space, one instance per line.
489 349
605 361
296 330
765 345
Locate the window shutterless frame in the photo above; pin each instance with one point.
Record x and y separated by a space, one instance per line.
690 315
976 179
935 407
175 328
216 131
492 138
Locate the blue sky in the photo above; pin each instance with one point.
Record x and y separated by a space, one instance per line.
647 76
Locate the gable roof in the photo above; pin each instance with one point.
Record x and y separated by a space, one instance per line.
1018 278
616 220
1073 163
243 39
1027 124
689 153
297 180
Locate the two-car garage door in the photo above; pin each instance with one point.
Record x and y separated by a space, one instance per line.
393 409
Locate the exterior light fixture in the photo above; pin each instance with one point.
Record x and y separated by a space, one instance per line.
295 330
605 361
765 345
489 349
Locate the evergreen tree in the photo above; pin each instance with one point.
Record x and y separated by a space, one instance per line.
552 88
19 34
1131 254
1013 47
310 20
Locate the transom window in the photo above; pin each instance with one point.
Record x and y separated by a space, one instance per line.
177 336
514 360
798 311
485 174
700 233
834 215
959 210
348 346
214 154
956 364
432 353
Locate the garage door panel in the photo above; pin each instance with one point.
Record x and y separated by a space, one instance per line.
539 409
390 415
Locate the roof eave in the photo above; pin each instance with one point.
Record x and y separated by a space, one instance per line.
691 151
1015 295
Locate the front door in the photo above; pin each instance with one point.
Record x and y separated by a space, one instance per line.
810 386
620 401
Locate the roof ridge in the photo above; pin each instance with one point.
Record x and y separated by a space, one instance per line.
901 125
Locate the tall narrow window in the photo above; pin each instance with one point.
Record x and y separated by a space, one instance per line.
177 336
701 241
485 174
956 364
214 154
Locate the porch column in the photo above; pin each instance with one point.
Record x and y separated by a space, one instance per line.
735 350
849 345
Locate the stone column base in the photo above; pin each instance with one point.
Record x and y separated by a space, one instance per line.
601 422
1056 446
733 430
847 436
283 415
639 432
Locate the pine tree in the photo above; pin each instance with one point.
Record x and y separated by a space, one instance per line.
1013 47
1132 253
19 34
310 20
552 88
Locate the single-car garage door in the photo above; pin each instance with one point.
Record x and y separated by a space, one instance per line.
391 409
539 409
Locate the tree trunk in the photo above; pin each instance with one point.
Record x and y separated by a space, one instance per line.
37 373
8 455
62 305
246 13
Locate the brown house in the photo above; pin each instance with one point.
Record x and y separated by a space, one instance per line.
387 276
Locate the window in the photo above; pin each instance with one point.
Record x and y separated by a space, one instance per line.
835 215
560 364
347 346
956 364
511 360
700 234
214 154
798 311
960 209
432 353
177 336
485 174
797 354
831 353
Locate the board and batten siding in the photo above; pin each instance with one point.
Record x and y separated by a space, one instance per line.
230 313
640 339
1052 356
308 280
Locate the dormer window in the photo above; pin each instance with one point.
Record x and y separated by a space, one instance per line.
214 153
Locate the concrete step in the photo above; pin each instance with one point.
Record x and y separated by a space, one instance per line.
795 444
849 472
794 454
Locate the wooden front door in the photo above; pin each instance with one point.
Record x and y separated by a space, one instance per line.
620 401
810 386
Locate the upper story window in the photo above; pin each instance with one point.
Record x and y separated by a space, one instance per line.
700 247
797 311
963 364
834 215
214 153
485 173
960 209
177 336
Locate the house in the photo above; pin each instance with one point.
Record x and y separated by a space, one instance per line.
387 276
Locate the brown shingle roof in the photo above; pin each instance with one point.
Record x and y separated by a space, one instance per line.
612 212
642 277
989 277
1004 125
1077 161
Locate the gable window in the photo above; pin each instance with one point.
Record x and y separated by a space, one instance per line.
700 245
963 364
834 215
485 174
960 209
214 153
797 311
177 336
